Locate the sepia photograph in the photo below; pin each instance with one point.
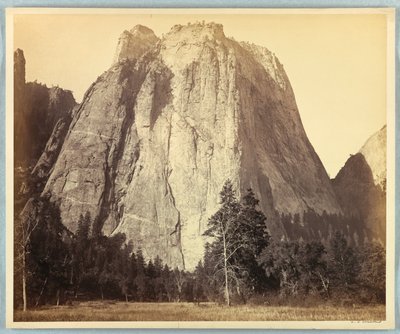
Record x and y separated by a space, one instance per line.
200 168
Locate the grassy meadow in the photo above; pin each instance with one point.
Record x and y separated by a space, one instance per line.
120 311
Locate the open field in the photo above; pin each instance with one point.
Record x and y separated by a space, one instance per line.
119 311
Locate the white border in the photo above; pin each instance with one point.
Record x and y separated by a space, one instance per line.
389 323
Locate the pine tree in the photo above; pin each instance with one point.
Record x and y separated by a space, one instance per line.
25 225
140 279
132 275
238 233
48 257
373 271
222 228
282 260
80 252
314 268
179 280
254 238
200 282
124 270
159 287
150 281
343 263
168 283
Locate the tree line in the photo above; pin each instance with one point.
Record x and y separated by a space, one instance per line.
322 226
241 263
53 266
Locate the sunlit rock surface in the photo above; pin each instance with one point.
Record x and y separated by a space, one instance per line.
157 135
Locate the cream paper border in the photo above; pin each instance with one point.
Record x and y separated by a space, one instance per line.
389 323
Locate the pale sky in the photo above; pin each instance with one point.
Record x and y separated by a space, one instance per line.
336 63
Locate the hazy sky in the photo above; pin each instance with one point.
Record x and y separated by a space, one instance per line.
335 63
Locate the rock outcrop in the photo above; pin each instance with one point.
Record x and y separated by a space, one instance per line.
134 43
374 152
360 187
157 135
37 109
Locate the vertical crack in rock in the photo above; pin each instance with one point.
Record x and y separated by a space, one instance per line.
178 226
131 78
105 200
162 92
167 173
59 137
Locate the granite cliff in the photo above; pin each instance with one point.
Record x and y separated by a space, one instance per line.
374 152
360 187
37 109
157 135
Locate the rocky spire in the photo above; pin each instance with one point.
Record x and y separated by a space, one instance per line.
19 70
134 43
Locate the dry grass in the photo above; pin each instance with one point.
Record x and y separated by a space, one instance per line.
119 311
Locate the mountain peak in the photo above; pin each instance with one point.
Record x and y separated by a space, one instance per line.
202 30
355 168
140 29
18 53
19 67
371 149
270 62
134 43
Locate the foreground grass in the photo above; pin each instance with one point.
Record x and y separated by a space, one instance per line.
119 311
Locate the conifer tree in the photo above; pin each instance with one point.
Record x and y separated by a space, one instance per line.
373 271
140 279
344 264
238 235
222 228
254 238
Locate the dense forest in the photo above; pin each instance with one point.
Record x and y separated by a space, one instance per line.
241 264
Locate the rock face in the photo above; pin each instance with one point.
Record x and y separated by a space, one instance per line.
158 134
19 74
53 147
374 152
36 110
134 43
360 187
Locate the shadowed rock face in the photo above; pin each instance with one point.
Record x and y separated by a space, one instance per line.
158 134
360 186
37 109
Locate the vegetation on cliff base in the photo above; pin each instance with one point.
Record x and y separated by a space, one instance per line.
241 264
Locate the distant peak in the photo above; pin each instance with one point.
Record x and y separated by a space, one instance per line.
141 29
210 28
378 138
19 57
19 52
19 67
